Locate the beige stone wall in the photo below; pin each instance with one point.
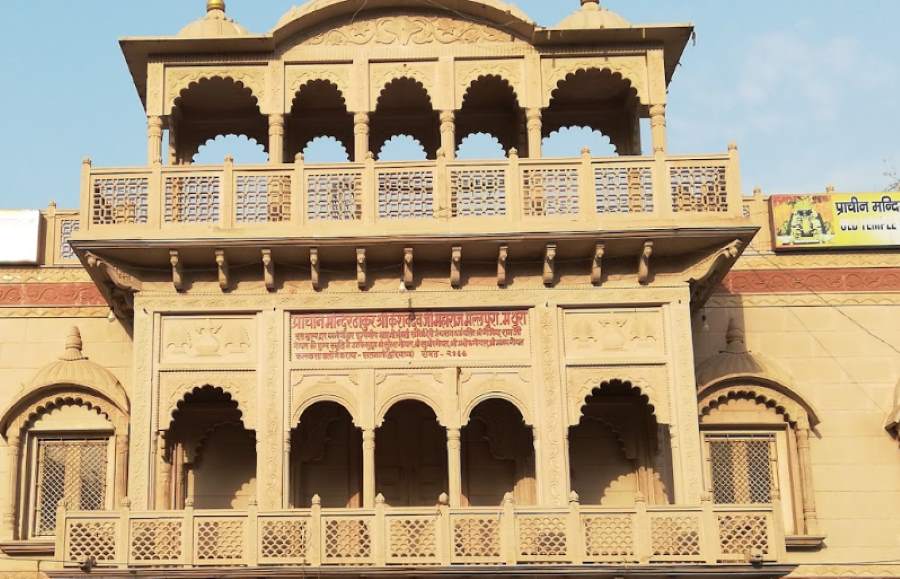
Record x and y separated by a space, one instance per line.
848 374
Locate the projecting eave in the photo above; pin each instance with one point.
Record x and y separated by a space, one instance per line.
139 50
672 37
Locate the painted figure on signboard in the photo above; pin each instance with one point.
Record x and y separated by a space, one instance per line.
805 224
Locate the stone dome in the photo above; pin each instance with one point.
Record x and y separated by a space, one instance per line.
592 16
215 24
736 360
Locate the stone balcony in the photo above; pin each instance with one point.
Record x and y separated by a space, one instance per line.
725 537
428 199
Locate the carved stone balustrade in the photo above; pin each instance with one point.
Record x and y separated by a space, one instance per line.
441 535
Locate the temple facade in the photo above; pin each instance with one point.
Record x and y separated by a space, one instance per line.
518 366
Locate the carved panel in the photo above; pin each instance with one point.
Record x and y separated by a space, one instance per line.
476 386
308 388
50 294
632 68
239 384
652 381
406 30
207 341
436 388
180 78
468 71
618 333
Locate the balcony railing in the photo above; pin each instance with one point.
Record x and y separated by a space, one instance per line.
429 197
440 535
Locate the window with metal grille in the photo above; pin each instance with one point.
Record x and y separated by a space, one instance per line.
72 472
742 468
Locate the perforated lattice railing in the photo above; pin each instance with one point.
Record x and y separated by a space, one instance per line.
119 200
193 199
548 192
701 189
742 468
72 472
623 189
416 536
67 228
406 194
334 196
263 198
478 192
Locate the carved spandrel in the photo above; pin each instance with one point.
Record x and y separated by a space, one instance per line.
593 334
205 341
408 30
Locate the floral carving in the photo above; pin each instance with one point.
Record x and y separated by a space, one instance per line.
552 439
811 280
50 294
408 30
298 77
631 70
206 339
179 79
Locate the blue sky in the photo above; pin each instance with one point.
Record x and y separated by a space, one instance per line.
807 88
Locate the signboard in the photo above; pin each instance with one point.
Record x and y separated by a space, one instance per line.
410 336
19 236
835 221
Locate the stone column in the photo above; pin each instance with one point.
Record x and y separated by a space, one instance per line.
658 128
454 466
810 517
535 135
368 436
13 450
448 134
276 139
360 136
121 490
154 140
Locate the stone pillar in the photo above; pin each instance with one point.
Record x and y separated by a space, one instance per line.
360 137
276 139
658 128
121 489
154 140
535 134
286 494
368 436
810 517
163 494
13 450
454 466
448 134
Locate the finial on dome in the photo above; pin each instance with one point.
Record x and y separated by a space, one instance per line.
586 2
215 5
73 346
734 337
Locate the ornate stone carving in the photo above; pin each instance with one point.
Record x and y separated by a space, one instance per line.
707 275
551 440
601 334
180 78
208 340
117 285
478 385
422 72
406 30
429 387
631 68
308 388
296 77
847 279
240 385
469 71
50 294
652 381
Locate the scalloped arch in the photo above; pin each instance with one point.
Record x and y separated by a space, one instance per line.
397 136
303 80
578 398
230 389
795 409
498 72
411 74
179 83
195 150
556 132
618 70
29 413
197 452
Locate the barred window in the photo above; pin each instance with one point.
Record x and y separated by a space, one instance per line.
743 468
69 471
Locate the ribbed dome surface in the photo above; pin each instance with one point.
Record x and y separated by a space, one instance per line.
593 16
737 360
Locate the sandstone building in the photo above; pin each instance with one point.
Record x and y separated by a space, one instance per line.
519 366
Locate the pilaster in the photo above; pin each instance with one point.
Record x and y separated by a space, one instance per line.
271 404
550 430
142 396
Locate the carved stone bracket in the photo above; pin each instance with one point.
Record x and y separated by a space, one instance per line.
456 267
117 285
707 275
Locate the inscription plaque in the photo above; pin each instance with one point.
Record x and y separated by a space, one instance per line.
415 335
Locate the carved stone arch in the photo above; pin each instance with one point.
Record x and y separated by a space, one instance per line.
196 454
773 395
628 72
418 397
179 80
402 72
298 80
28 414
583 385
509 73
517 403
240 387
336 394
